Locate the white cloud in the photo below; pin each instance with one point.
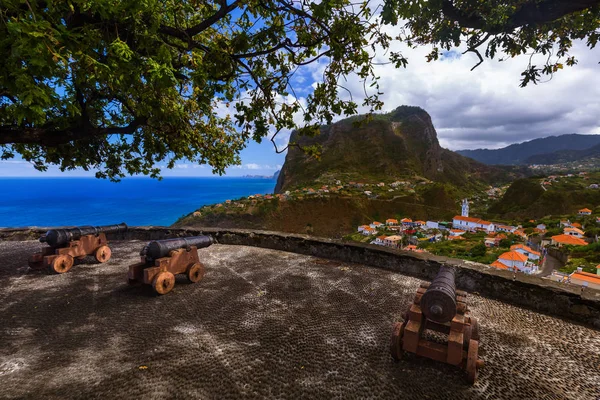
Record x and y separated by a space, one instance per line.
486 107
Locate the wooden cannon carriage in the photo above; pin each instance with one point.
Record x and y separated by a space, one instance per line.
439 307
161 260
66 245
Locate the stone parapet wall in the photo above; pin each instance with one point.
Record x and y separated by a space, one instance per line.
542 295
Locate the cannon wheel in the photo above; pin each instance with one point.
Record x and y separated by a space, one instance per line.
164 282
102 254
472 361
195 272
36 261
396 341
61 264
474 329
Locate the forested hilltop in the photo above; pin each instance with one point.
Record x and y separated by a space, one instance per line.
390 164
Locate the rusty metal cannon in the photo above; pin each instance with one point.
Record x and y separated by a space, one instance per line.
67 244
161 260
439 307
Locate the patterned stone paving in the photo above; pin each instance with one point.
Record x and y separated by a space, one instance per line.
262 324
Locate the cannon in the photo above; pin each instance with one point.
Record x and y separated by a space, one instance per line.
439 307
161 260
67 244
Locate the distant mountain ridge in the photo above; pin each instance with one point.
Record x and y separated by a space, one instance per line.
564 156
521 153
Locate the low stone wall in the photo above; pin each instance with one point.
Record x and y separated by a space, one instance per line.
535 293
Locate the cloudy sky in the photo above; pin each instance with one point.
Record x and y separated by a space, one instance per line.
484 108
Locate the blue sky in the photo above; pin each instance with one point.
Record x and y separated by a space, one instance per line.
257 159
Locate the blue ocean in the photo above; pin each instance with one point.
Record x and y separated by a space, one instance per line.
136 201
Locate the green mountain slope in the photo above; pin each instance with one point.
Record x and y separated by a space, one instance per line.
400 144
525 198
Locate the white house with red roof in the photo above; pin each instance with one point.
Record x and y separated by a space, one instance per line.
367 231
527 251
575 232
391 221
472 224
380 239
514 261
585 211
376 225
586 279
505 228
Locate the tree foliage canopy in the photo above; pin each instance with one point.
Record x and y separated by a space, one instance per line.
123 85
500 27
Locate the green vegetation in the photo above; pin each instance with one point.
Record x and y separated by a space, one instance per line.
125 86
472 248
587 257
525 198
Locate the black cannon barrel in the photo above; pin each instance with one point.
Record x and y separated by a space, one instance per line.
438 303
60 237
162 248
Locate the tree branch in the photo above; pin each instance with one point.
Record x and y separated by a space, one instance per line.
46 136
532 13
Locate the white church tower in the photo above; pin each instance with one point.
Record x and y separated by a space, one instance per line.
465 208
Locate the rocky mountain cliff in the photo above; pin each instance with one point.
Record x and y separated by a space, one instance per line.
402 143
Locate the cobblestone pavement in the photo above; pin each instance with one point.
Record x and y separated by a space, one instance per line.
261 324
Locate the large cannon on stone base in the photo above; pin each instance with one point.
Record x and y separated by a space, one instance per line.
161 260
440 308
67 244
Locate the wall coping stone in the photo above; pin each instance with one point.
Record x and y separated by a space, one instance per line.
529 291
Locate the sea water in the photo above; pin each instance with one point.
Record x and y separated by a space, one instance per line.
50 202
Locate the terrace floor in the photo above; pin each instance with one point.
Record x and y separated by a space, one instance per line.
261 324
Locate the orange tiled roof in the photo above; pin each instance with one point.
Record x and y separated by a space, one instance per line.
377 223
420 222
473 220
457 230
499 265
568 239
411 247
585 210
586 276
382 237
526 248
513 256
406 220
576 225
456 238
391 220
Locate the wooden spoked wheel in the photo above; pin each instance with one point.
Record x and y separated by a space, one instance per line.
396 341
472 362
102 254
164 282
61 264
474 329
195 272
36 261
